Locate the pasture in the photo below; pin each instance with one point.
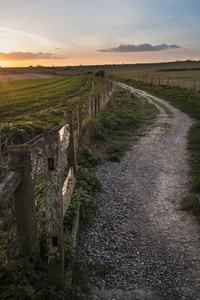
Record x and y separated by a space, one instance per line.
180 73
28 107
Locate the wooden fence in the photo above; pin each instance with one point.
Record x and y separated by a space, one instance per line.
193 85
19 182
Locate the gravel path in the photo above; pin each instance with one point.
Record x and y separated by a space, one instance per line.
150 246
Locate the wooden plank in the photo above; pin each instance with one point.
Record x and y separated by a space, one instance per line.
9 185
25 211
67 190
54 213
80 126
74 245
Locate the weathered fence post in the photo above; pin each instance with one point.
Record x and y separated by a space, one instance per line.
80 126
54 207
71 158
103 96
111 85
95 106
27 231
1 156
107 91
99 103
91 108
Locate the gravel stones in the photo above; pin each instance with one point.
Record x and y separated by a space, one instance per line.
147 246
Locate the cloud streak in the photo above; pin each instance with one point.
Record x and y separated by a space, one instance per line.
21 56
121 48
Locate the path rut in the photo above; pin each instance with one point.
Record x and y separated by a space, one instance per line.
150 247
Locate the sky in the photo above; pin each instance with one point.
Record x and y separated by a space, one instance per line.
96 32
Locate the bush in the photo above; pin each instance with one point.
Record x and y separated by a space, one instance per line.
86 158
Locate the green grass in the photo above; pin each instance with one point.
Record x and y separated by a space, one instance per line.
29 96
29 107
116 128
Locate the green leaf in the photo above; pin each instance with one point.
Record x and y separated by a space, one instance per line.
29 290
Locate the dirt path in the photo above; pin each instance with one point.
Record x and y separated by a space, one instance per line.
149 246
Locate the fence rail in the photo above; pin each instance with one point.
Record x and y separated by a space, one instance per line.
20 182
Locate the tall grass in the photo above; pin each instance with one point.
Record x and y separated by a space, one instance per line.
116 128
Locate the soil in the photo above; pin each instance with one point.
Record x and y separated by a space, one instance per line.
143 243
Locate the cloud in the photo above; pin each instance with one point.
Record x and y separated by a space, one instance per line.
140 48
20 56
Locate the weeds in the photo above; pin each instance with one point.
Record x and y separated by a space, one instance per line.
86 158
118 126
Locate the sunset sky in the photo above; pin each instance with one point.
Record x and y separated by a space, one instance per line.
74 32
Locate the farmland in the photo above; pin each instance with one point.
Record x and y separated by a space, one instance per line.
182 74
28 107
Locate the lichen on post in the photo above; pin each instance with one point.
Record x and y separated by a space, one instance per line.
54 207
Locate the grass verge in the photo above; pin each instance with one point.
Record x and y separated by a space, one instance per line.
120 125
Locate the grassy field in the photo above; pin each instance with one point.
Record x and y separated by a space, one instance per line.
179 73
28 107
182 74
63 71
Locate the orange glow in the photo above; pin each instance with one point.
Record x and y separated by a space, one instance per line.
94 58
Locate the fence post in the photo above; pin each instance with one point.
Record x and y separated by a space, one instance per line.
71 158
80 127
107 91
91 109
54 207
103 96
98 103
111 85
1 156
95 106
27 231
